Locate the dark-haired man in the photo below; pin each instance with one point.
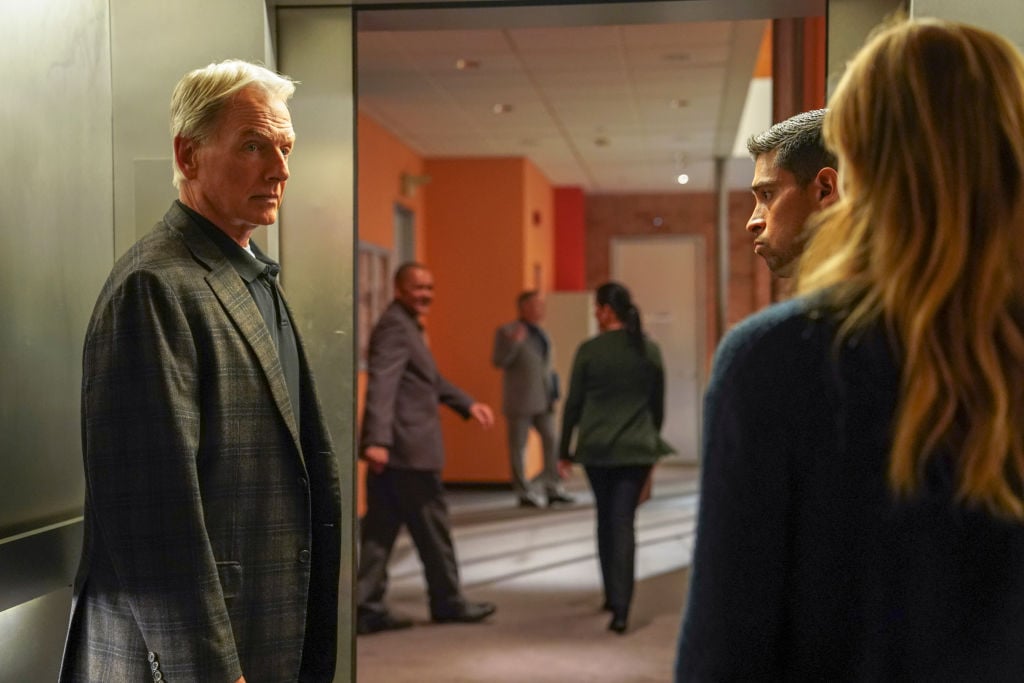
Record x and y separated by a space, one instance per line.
794 177
401 444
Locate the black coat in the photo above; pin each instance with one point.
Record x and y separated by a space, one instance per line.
807 567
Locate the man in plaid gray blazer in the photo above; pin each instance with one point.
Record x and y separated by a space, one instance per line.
212 510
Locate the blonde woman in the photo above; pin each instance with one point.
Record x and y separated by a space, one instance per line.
862 514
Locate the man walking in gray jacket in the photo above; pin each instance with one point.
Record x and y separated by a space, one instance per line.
402 445
529 390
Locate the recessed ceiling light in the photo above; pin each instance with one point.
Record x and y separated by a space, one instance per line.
683 179
679 103
466 64
501 108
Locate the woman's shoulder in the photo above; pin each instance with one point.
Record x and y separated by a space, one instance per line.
603 341
780 335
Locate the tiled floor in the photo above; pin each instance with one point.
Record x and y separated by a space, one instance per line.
540 567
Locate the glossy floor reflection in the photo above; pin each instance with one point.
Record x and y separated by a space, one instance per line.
540 568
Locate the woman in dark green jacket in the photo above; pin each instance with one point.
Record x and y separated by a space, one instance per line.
615 407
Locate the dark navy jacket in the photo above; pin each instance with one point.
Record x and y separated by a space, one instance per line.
807 567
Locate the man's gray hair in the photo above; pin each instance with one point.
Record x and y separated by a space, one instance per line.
799 143
201 95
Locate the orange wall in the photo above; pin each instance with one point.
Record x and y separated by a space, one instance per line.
482 251
538 273
538 229
483 245
382 158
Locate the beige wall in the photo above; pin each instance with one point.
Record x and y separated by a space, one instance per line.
1002 16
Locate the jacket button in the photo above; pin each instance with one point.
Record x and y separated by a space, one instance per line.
151 657
304 556
157 676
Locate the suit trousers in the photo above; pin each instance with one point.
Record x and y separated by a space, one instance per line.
414 498
518 431
616 497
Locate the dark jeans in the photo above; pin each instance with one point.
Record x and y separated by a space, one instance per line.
414 498
616 496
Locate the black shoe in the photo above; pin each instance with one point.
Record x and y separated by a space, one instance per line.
375 622
469 613
617 624
530 500
559 497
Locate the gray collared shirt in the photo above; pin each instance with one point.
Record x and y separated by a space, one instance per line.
259 272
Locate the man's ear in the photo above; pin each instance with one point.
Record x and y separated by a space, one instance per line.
826 184
186 156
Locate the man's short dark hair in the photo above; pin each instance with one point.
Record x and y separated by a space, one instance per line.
525 296
800 145
404 270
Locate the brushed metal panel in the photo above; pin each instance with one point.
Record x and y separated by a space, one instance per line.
318 242
39 562
1005 17
57 230
152 45
32 638
56 249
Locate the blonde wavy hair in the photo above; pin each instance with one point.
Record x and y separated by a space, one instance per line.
928 238
201 95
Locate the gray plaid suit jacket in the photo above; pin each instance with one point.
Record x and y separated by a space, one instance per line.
212 534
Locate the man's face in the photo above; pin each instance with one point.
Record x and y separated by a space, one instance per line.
241 169
532 310
416 290
781 208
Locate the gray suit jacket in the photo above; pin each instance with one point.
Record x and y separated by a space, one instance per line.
403 393
211 523
527 386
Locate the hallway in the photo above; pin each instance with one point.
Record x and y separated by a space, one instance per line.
540 568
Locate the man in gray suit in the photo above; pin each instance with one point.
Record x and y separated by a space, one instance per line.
401 443
529 391
212 510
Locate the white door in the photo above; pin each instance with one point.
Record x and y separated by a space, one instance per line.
666 277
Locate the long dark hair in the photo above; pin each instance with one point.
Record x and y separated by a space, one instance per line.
618 298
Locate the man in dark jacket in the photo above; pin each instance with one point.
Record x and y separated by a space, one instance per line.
401 443
212 510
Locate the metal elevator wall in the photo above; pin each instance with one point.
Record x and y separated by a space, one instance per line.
57 248
87 154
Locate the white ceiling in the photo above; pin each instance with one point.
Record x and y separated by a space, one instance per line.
608 107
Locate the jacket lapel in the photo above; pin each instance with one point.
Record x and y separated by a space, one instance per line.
233 295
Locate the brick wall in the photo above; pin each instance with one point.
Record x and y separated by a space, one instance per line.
609 216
